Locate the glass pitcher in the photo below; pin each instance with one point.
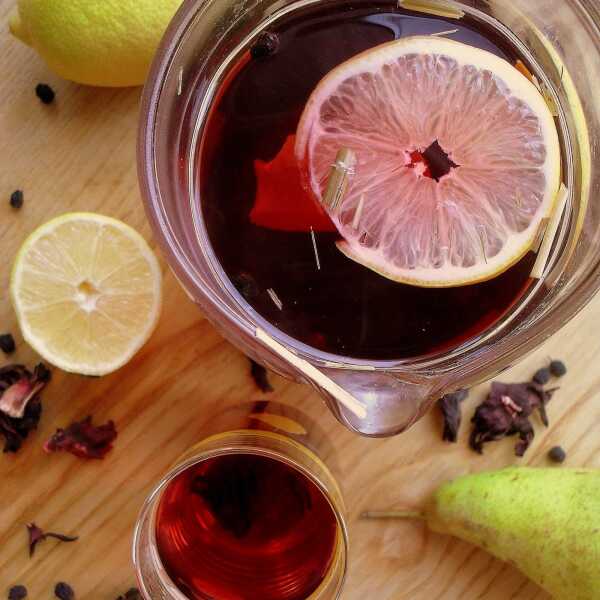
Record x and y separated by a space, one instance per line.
374 398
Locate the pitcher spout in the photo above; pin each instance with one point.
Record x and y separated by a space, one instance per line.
392 402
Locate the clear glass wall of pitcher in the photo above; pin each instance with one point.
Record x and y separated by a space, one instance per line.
381 395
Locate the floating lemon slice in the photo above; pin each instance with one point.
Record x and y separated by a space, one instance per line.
87 292
457 160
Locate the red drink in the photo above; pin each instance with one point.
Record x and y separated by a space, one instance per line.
245 526
330 303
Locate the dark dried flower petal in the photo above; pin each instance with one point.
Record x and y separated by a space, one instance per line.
450 407
131 594
36 535
542 376
20 402
42 373
438 161
506 412
17 430
7 343
64 591
260 376
83 439
524 428
45 93
10 374
558 368
61 537
14 400
17 592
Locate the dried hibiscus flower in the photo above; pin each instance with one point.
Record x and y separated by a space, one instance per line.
20 402
37 535
261 378
506 412
83 439
450 407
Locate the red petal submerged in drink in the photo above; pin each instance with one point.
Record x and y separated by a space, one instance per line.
282 202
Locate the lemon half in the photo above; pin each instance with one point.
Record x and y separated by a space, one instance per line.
87 292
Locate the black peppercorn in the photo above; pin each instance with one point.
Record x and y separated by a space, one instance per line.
557 455
7 343
266 45
45 93
558 368
64 591
17 592
16 199
542 376
246 285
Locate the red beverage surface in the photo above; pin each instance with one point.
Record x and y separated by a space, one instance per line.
259 216
245 527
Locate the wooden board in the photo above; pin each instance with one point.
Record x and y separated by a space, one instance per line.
79 154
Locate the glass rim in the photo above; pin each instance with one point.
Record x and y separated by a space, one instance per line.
151 503
247 319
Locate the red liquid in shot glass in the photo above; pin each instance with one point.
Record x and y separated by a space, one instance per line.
245 527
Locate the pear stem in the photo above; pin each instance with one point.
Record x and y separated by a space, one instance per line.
393 514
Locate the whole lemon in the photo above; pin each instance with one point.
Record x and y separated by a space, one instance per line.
96 42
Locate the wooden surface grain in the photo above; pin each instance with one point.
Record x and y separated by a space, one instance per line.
79 154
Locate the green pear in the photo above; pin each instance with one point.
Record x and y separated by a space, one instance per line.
546 522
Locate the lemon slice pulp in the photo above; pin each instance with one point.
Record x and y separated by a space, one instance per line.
393 104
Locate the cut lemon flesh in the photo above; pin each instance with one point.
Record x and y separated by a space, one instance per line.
87 292
397 100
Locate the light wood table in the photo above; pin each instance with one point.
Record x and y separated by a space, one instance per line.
79 154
